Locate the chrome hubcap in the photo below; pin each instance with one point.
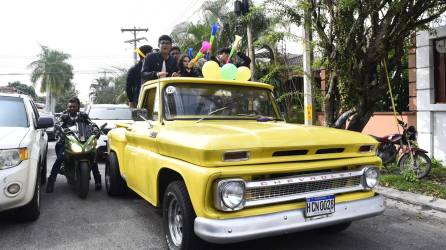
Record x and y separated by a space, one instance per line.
175 220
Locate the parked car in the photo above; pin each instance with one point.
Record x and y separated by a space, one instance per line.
109 114
23 150
224 167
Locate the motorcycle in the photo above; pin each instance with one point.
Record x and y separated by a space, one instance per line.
79 154
404 145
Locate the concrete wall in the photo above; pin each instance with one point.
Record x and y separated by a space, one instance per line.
431 117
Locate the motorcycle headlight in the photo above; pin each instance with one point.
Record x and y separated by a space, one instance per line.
76 148
230 194
371 177
12 157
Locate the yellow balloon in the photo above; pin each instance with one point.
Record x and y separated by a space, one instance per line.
243 73
211 70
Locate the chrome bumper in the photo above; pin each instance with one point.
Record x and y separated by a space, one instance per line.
248 228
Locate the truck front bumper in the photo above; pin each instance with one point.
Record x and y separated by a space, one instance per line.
248 228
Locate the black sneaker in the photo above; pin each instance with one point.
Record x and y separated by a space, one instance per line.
98 186
49 187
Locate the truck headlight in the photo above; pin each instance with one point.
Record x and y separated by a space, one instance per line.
76 148
371 177
230 194
12 157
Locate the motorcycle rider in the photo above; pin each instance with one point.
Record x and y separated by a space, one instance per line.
69 118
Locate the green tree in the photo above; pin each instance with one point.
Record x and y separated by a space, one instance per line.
54 73
110 90
24 89
354 39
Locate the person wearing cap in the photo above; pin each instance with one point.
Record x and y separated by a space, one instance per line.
133 84
161 64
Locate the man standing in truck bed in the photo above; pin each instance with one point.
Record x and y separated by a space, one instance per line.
133 85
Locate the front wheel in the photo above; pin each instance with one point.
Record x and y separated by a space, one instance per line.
114 183
31 211
419 163
83 180
178 219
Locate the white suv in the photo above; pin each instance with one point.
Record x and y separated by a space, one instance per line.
23 149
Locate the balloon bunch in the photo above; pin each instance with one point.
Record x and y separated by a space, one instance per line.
229 71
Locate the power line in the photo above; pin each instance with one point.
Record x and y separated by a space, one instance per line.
135 40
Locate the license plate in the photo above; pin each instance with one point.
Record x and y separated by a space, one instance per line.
322 205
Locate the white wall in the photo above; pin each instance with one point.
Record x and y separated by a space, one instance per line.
431 117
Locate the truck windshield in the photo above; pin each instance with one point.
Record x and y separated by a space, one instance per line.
12 112
214 101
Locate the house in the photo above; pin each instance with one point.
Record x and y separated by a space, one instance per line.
431 91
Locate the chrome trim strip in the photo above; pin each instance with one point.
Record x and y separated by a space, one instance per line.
252 203
266 225
305 178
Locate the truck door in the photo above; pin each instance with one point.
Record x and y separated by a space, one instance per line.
142 147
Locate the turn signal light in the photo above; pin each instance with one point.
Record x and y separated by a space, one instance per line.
23 153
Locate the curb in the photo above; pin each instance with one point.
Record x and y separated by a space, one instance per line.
414 199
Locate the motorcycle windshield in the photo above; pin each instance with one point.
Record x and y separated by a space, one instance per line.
84 131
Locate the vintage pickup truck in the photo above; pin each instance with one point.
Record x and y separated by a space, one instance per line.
224 166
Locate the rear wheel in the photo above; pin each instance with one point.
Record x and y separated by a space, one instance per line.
114 183
178 219
83 180
31 211
420 164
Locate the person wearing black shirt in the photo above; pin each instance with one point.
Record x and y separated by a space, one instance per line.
69 118
133 84
161 64
184 70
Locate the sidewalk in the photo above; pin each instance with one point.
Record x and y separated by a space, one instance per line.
414 199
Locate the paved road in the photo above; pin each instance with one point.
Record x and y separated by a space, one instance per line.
100 222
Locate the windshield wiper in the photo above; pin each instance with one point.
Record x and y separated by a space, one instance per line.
211 113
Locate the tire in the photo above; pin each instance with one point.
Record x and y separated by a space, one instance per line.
337 228
423 164
178 219
83 180
31 211
114 183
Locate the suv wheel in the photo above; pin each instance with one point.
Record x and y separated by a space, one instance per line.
178 219
31 211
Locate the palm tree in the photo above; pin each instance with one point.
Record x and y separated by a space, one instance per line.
54 73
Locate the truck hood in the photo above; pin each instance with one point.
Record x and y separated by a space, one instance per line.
111 124
10 137
204 143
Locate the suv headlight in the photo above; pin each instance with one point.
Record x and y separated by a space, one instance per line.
229 194
12 157
371 177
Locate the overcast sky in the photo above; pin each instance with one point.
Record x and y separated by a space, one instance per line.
89 30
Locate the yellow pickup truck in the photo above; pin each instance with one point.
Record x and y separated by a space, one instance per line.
219 160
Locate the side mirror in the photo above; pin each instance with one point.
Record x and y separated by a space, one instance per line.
139 114
45 122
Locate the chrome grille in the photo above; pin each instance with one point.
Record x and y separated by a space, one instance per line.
299 188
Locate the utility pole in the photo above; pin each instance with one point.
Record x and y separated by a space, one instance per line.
135 40
308 73
242 8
